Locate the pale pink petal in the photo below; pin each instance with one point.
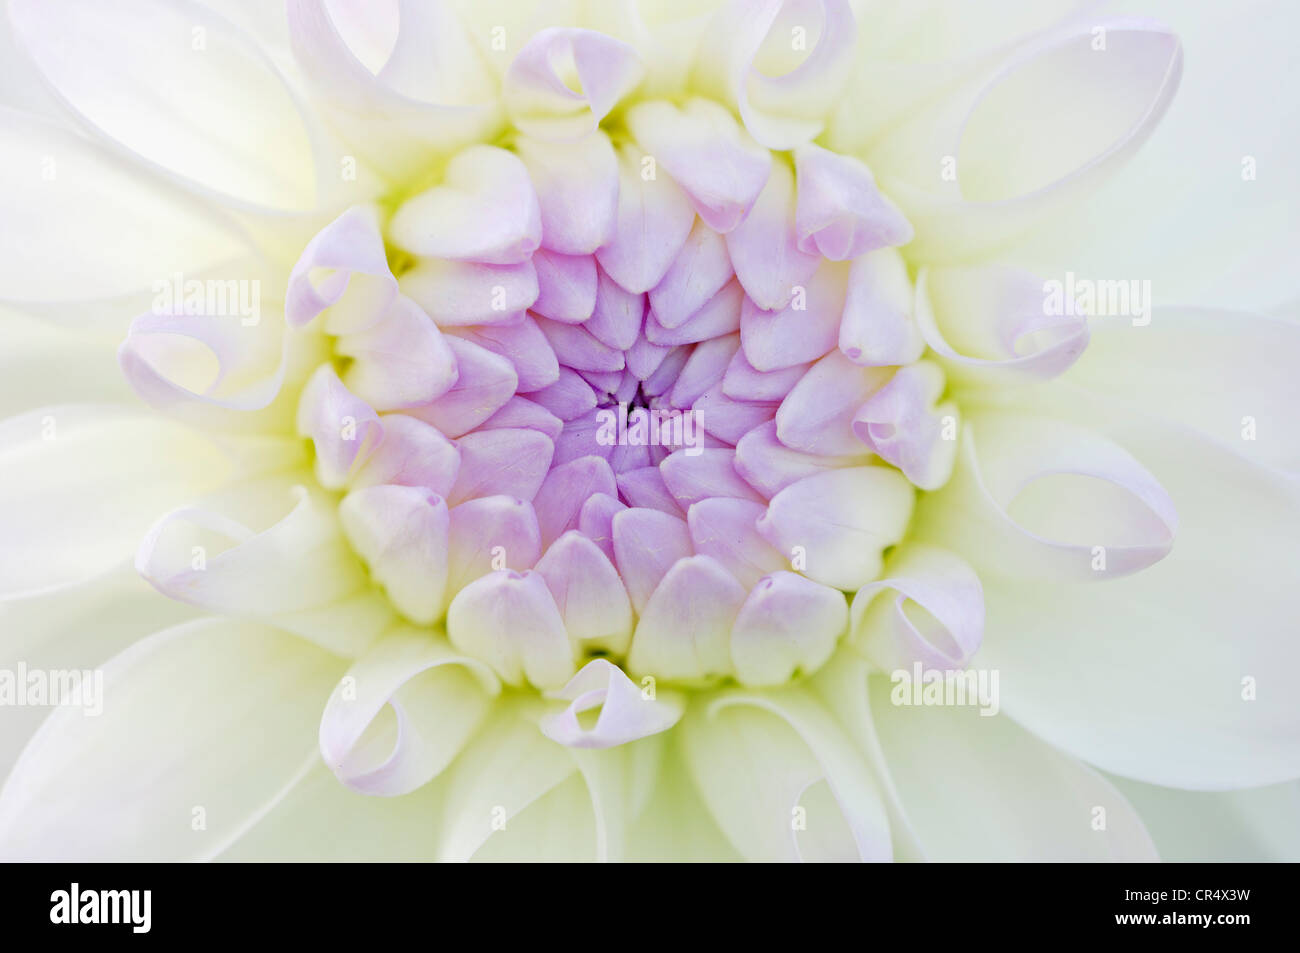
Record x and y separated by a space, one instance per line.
743 382
817 415
698 272
704 369
836 524
343 268
841 213
567 286
400 532
411 453
645 487
522 412
726 529
467 292
904 425
617 315
589 594
486 381
947 630
769 466
539 100
718 316
804 330
788 624
768 258
565 489
578 348
729 420
522 343
654 218
492 532
626 712
596 521
568 398
344 428
684 630
401 361
697 476
507 461
509 620
878 326
577 190
646 544
708 155
485 210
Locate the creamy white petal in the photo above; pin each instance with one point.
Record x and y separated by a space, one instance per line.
402 712
980 788
177 765
783 780
57 522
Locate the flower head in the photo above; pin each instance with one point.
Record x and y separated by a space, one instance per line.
581 410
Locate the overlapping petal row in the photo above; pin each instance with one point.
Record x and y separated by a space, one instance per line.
410 471
470 358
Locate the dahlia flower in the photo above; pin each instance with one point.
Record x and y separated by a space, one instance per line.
632 430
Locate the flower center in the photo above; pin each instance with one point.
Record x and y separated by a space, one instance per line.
661 402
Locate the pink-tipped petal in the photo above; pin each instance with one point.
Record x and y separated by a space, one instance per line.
400 532
836 524
343 427
646 544
468 292
841 214
485 210
726 529
567 286
768 258
509 620
541 102
788 624
485 383
627 713
588 592
817 415
878 327
492 532
903 424
402 361
708 155
944 634
343 268
577 191
412 453
685 628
